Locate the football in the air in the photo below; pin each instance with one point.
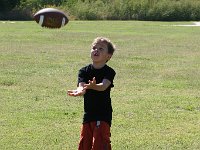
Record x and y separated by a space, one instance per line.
51 18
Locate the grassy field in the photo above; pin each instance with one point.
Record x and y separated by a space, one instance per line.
156 98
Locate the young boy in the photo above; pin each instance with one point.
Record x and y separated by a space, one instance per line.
94 83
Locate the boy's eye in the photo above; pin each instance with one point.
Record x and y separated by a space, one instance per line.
101 49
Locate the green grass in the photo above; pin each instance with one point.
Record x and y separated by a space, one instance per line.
156 98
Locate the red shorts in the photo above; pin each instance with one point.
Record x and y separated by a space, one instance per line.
95 136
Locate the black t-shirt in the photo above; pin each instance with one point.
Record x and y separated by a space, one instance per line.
97 104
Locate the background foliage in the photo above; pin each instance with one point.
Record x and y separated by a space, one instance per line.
159 10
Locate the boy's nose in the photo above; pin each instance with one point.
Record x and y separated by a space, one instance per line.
96 50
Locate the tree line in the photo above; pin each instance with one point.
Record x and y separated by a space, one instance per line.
155 10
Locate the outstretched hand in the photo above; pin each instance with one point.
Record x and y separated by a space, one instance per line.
81 90
91 84
77 92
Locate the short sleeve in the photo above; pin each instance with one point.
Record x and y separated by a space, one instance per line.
110 75
82 76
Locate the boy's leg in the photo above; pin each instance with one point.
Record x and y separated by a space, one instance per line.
86 137
101 137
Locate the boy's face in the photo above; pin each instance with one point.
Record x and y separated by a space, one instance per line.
99 52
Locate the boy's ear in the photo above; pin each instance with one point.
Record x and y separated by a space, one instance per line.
109 56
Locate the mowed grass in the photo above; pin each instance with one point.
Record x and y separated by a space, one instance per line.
156 98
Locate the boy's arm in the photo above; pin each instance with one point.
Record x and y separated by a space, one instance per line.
98 87
79 91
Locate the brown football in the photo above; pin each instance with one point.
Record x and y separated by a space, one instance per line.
51 18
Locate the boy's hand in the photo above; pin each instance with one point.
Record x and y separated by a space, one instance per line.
91 84
78 92
98 87
75 92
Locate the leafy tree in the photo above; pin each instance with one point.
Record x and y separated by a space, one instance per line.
50 2
7 5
